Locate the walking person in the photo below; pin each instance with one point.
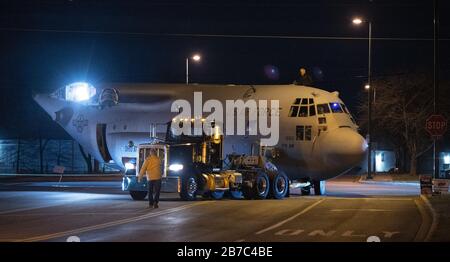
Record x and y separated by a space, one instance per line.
152 169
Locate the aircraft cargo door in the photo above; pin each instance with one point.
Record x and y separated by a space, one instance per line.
101 142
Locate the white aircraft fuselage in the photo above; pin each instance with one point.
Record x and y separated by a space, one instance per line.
318 138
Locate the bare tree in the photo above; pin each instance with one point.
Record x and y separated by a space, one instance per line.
402 103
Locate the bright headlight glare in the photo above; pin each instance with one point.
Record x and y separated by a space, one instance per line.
175 167
129 165
79 91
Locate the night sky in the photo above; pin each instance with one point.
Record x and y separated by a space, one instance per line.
48 44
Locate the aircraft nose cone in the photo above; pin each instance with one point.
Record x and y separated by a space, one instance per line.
344 148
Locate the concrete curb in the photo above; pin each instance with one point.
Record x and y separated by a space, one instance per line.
435 218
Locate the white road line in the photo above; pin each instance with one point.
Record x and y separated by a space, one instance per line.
290 218
435 220
400 198
110 224
31 208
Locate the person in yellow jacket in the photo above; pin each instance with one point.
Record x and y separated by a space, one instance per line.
152 169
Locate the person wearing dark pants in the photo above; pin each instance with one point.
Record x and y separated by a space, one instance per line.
154 186
152 169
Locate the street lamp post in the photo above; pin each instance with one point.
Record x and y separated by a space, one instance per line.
196 58
358 21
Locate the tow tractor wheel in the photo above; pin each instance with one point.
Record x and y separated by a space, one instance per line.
261 185
319 187
189 188
217 195
138 195
280 186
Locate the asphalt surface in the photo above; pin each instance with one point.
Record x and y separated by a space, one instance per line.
99 211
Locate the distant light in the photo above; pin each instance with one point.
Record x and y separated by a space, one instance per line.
447 159
176 167
357 21
79 91
379 160
335 105
129 166
196 57
367 87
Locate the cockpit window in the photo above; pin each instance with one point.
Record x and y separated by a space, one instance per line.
345 108
294 111
312 110
300 108
303 111
323 109
336 108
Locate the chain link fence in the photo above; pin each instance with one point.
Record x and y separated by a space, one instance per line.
45 156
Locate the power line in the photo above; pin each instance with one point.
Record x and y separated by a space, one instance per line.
216 35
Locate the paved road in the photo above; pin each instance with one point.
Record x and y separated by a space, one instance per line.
100 212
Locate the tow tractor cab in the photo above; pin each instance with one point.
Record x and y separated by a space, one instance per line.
194 165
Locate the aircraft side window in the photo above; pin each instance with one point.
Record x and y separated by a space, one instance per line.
311 101
345 108
323 109
297 101
294 111
336 108
312 110
300 133
304 101
303 111
308 132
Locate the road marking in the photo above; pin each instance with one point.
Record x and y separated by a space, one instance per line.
389 234
400 198
290 218
435 218
363 209
349 233
289 232
112 223
322 233
31 208
425 226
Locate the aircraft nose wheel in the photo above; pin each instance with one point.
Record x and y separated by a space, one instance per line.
319 187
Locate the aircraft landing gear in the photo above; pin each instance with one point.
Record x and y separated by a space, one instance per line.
306 191
319 187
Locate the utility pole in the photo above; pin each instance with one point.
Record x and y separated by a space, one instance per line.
435 85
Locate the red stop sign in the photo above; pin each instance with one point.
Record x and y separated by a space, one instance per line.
436 125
